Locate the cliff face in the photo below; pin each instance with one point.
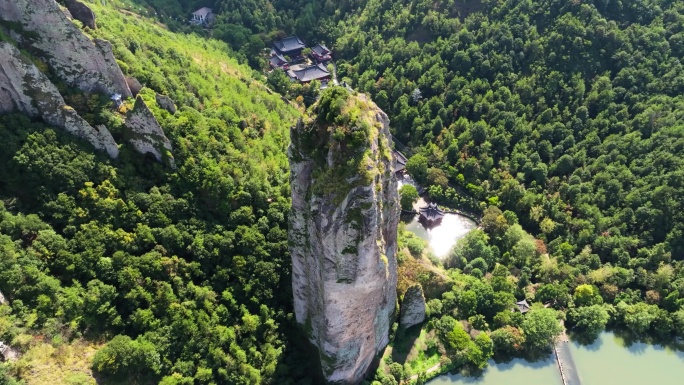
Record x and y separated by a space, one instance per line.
25 89
343 232
42 26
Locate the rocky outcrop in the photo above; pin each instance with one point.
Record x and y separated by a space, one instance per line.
166 103
7 353
412 307
23 88
44 29
134 85
343 233
81 12
2 299
145 134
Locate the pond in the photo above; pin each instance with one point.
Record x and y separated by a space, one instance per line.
440 238
609 360
443 237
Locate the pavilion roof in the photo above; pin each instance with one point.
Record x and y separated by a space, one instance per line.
523 306
431 212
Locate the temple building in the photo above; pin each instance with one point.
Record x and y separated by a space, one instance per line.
278 61
202 16
321 53
310 73
431 215
290 46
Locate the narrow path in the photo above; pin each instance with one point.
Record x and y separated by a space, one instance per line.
430 370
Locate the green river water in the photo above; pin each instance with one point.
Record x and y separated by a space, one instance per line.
609 361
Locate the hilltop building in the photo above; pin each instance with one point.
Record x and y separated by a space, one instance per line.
278 61
202 16
321 53
310 73
290 46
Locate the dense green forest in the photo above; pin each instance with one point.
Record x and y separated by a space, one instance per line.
564 120
184 270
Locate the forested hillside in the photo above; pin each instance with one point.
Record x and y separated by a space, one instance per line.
562 120
183 272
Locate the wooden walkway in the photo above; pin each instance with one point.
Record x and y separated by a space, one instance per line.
566 365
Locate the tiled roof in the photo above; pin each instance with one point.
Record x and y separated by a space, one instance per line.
311 73
202 12
431 212
289 44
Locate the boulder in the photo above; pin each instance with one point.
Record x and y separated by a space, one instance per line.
81 12
23 88
2 299
412 307
134 85
166 103
145 134
343 241
42 28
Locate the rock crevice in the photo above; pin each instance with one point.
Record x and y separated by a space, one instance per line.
23 88
145 134
343 235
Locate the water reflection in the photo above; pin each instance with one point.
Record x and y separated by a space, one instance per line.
609 360
516 372
440 238
443 237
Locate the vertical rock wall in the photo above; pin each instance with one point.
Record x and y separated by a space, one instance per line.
343 234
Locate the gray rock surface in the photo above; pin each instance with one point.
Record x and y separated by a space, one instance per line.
2 299
412 307
145 133
166 103
7 353
343 248
80 62
25 89
81 12
134 85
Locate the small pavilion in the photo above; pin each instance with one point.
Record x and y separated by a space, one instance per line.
523 306
431 215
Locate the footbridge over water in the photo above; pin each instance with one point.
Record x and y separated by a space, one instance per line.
566 364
